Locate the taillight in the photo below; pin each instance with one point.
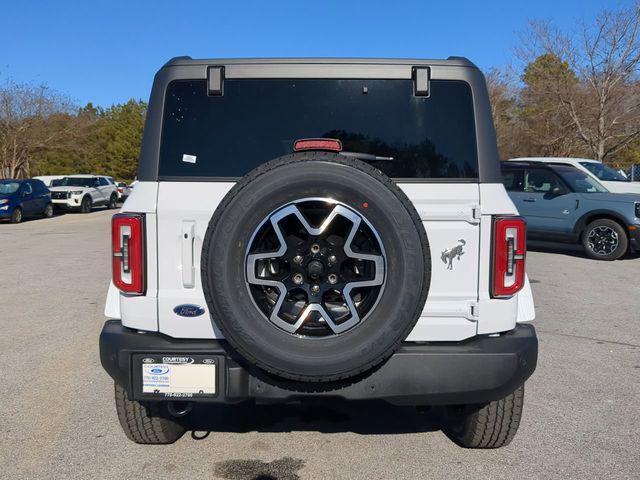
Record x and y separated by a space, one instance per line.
509 252
127 239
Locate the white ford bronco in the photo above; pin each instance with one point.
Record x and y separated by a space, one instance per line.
332 228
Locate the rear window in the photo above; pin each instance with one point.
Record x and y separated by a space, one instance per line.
604 172
258 120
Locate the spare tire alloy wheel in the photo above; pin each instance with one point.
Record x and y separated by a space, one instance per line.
315 284
315 268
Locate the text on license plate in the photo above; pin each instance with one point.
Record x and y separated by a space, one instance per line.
179 378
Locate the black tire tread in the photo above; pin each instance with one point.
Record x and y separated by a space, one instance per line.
143 422
82 204
44 212
491 426
331 158
14 218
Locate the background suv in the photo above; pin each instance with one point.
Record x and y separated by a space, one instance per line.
564 203
23 198
82 192
123 191
612 179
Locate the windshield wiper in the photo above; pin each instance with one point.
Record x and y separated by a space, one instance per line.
367 157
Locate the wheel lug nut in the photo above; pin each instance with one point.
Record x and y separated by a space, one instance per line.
297 279
297 259
332 259
315 289
315 248
333 278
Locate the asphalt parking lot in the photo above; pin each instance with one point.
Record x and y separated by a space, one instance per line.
582 406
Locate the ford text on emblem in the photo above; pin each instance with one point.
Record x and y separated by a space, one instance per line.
188 310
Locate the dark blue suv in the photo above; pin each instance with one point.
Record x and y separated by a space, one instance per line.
24 198
562 203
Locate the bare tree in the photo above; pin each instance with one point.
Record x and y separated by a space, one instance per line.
32 119
603 105
503 98
612 54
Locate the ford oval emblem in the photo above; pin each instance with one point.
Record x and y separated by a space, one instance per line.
188 310
159 370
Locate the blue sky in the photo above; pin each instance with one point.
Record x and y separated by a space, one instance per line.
108 51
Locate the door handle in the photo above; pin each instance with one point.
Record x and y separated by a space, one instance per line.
188 239
528 199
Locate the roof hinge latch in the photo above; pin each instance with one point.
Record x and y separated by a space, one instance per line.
474 311
215 81
421 79
476 213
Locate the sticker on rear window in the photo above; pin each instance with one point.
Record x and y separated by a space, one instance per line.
189 158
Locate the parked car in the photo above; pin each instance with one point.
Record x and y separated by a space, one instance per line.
123 191
49 180
83 192
564 203
613 180
381 261
24 198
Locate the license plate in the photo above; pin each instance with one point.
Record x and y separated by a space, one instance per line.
179 376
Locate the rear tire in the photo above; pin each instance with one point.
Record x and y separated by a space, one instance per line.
16 215
48 211
486 426
113 202
86 205
146 422
605 239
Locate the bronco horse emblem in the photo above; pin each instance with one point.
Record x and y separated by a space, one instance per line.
449 254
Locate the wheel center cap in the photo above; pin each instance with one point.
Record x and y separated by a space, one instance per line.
315 269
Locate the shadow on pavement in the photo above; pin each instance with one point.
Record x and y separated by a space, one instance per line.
559 248
567 249
329 416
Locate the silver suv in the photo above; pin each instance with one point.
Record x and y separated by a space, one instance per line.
83 192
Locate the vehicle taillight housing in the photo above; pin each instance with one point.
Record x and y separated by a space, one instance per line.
509 253
128 240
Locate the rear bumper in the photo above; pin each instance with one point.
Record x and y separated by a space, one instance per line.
474 371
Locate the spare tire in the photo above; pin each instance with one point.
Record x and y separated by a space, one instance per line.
315 267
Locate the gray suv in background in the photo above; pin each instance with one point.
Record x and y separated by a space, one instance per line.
562 203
